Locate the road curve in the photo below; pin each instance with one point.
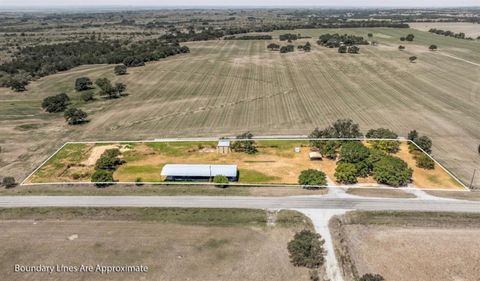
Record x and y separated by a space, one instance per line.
298 202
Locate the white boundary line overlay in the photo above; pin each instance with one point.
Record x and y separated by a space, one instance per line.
259 138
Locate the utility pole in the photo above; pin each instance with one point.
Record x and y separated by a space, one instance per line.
473 177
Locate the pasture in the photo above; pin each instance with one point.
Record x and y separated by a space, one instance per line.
276 162
470 29
175 244
228 87
399 245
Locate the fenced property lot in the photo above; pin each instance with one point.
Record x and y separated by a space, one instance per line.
277 162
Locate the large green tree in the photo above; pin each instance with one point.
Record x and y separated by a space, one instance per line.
392 171
83 83
390 146
306 249
75 116
312 178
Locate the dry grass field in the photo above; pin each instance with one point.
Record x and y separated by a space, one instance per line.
175 244
228 87
470 29
427 247
275 163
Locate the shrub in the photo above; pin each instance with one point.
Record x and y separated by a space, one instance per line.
312 178
433 47
392 171
371 277
346 173
75 116
120 69
353 152
83 83
244 144
86 96
425 162
385 145
424 143
9 182
138 182
306 249
412 58
220 180
401 47
57 103
314 275
108 160
102 177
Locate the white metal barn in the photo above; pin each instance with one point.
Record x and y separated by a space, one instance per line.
198 172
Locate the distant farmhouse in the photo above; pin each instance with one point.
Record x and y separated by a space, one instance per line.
198 172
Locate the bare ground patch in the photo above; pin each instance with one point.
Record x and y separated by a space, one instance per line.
408 246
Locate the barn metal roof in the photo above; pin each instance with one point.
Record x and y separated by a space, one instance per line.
224 143
198 170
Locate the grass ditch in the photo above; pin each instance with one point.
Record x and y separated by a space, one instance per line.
184 216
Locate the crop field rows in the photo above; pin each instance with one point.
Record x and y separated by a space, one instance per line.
227 87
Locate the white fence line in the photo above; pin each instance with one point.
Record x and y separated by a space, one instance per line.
258 138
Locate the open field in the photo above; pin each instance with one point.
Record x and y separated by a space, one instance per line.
275 163
175 244
228 87
470 29
409 246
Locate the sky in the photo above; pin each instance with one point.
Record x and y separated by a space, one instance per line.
297 3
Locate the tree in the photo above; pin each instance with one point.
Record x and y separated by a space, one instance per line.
424 143
402 38
432 47
353 50
401 47
108 160
86 96
370 35
273 46
425 162
57 103
306 249
342 49
9 182
244 144
412 59
220 180
392 171
18 85
133 62
353 152
409 37
412 135
345 128
75 116
83 83
389 146
371 277
346 173
102 177
120 69
312 178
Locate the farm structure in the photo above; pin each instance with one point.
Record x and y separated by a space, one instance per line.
223 146
198 172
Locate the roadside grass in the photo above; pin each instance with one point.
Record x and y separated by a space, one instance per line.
187 216
461 195
423 219
157 190
290 218
379 192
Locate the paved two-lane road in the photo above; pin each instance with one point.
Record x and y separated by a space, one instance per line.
297 202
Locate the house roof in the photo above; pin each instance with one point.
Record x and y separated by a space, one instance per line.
224 143
198 170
